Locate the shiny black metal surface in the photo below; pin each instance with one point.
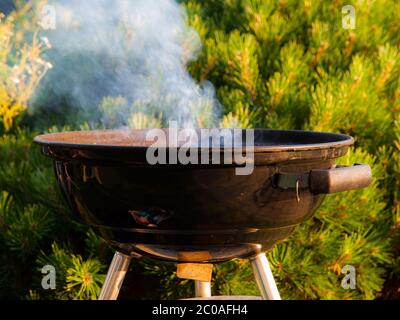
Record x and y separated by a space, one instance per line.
163 211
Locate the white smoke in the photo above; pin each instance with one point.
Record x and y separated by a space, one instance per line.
138 49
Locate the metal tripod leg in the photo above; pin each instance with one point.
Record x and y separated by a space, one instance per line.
202 289
264 277
115 276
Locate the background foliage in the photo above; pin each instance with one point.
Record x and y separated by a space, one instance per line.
276 64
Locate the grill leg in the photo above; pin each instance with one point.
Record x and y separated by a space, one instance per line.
264 277
115 276
202 289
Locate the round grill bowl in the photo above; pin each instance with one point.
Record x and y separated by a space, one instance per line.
197 213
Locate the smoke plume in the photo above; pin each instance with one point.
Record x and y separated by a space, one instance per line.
135 50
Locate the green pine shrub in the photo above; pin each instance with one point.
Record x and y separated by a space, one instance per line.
277 64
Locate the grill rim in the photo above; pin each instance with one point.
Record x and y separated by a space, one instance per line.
341 142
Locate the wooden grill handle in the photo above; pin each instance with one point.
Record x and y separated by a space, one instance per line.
340 178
